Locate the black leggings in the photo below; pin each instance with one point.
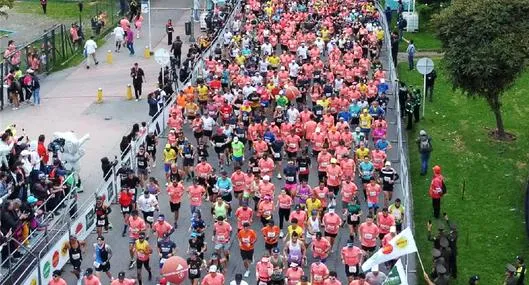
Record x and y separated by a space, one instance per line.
137 90
283 215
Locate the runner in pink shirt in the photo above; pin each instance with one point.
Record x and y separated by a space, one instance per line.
121 280
318 272
196 192
331 224
384 221
175 191
213 277
368 232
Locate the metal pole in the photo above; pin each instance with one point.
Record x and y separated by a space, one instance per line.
192 34
424 96
149 16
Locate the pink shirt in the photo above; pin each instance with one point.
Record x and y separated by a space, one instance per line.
318 272
368 234
126 281
195 193
332 223
92 281
209 279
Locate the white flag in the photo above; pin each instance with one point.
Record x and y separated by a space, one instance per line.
400 245
397 275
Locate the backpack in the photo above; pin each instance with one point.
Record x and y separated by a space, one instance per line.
425 145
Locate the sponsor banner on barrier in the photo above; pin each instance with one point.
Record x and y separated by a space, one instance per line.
84 224
55 259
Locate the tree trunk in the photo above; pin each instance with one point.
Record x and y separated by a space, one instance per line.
495 105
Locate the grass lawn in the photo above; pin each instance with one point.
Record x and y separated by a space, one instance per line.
62 11
490 215
424 40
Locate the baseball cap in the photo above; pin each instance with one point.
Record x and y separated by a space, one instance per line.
266 178
88 271
213 268
121 275
275 250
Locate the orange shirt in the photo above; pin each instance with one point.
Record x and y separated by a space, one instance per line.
348 191
332 223
368 234
195 193
222 232
372 191
385 222
203 169
161 228
238 179
321 248
270 234
136 226
348 167
351 255
285 201
247 239
92 281
323 161
243 216
318 272
59 281
175 192
265 208
266 188
267 166
334 175
209 279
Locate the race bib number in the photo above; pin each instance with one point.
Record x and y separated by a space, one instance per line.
373 193
125 209
246 240
302 169
290 179
352 268
367 173
150 147
101 222
324 164
221 238
187 155
162 260
267 213
277 155
368 236
387 179
219 144
292 145
318 278
150 219
96 264
255 169
271 235
76 256
354 218
321 195
194 199
193 271
239 183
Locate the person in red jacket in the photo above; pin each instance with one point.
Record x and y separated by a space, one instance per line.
42 150
437 190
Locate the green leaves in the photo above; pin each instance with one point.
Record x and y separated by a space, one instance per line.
486 45
5 5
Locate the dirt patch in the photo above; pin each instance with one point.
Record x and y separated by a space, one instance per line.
508 137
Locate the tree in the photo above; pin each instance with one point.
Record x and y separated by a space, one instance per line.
5 5
486 45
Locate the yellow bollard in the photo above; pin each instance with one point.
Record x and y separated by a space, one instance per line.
109 57
129 92
147 52
99 95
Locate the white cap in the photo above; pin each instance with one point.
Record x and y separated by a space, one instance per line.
388 163
266 178
235 139
213 268
373 269
392 229
422 132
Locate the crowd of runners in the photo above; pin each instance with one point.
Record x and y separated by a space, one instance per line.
288 147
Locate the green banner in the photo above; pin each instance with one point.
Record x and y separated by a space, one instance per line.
393 277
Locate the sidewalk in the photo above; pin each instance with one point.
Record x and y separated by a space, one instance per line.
68 96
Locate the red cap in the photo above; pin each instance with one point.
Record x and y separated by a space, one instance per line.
437 169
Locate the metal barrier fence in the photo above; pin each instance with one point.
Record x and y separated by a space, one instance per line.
50 252
405 183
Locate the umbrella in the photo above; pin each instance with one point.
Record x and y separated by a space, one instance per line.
291 92
174 270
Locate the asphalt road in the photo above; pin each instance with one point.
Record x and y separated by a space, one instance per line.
120 259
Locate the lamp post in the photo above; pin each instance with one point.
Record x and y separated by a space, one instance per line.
192 32
149 16
80 4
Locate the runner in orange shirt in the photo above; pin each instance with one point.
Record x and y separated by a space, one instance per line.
175 191
136 225
318 272
271 235
320 247
331 223
384 222
213 277
368 232
247 239
162 227
244 214
334 176
351 258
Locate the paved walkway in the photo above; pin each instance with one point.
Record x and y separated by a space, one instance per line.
68 96
403 56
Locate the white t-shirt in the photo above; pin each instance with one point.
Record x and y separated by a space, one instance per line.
267 48
90 46
302 51
119 34
292 114
293 69
147 204
208 123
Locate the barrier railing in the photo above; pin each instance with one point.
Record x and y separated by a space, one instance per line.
405 183
52 253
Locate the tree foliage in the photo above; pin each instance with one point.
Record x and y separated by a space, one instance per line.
486 45
5 5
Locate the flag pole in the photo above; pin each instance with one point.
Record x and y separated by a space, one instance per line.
420 261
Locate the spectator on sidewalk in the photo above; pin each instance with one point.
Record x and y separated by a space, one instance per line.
169 29
138 77
176 49
119 37
130 41
90 52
